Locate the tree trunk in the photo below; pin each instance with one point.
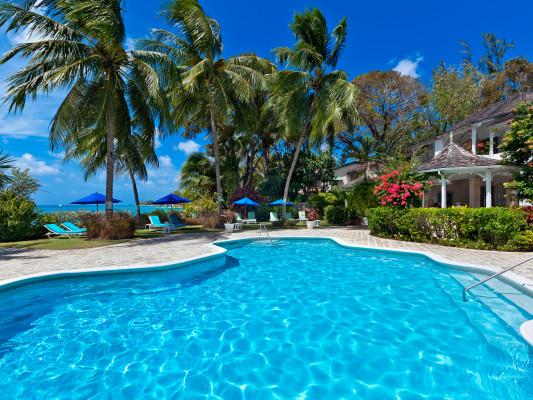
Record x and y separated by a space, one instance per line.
291 171
110 162
217 155
136 195
250 168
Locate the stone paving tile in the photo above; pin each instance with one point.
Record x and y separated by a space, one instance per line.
17 263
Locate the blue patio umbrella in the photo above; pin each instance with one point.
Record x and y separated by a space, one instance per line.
245 201
280 202
171 198
95 198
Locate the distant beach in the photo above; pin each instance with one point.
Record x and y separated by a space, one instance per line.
145 209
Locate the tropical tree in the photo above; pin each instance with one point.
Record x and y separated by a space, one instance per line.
517 149
311 98
79 46
5 164
197 176
22 183
208 86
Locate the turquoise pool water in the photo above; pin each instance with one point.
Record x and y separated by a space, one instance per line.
301 319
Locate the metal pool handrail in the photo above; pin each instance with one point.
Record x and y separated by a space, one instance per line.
488 278
262 227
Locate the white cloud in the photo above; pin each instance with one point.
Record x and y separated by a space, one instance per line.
165 161
157 141
129 44
408 67
37 167
188 147
60 155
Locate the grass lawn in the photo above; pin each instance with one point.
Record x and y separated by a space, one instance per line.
140 234
81 243
60 244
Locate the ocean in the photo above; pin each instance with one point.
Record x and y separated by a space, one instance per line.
145 209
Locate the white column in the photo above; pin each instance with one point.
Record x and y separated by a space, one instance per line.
491 143
488 188
442 192
474 139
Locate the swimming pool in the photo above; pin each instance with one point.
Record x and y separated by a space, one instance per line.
300 319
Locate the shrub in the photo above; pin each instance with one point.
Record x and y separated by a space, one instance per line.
522 241
312 214
467 227
336 215
262 212
17 218
119 225
400 189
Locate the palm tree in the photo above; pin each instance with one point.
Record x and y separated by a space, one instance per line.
311 98
197 175
209 85
5 164
79 47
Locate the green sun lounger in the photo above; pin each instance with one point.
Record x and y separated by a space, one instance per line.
73 227
56 230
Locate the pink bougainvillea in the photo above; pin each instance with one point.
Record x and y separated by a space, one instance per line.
400 190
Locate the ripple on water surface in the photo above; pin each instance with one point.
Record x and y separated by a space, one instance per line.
302 319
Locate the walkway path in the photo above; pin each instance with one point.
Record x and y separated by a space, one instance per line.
18 263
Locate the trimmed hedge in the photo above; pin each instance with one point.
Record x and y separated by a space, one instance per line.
483 228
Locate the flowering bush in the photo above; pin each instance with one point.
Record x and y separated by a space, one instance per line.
400 190
312 214
229 215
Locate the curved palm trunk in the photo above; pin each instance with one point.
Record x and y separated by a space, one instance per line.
291 171
135 194
110 162
217 156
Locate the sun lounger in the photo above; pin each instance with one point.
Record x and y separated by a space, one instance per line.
56 230
251 218
155 223
301 216
69 226
273 217
175 221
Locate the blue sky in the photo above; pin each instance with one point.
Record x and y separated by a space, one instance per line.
410 36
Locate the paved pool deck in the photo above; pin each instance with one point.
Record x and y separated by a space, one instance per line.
20 263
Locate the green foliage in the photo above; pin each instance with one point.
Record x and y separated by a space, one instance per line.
111 94
491 228
272 185
118 225
197 176
198 206
17 218
517 150
22 183
336 215
455 94
5 164
360 198
262 212
522 241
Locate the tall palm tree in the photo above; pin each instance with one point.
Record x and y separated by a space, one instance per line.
80 47
5 164
210 86
312 98
197 175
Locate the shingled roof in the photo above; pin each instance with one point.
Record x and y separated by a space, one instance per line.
499 110
454 156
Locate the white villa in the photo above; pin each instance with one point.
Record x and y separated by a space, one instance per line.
466 160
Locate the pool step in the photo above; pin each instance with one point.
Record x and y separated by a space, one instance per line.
502 299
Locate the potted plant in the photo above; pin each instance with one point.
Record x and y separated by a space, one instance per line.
229 226
313 218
